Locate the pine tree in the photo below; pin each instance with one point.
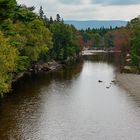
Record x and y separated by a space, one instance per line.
51 20
58 18
41 12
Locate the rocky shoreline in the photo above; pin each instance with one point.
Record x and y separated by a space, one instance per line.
41 67
45 67
130 82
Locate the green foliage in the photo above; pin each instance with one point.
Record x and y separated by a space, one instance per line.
32 39
22 64
8 59
86 37
41 12
24 14
65 42
39 40
135 43
7 8
96 39
58 18
26 40
51 20
108 38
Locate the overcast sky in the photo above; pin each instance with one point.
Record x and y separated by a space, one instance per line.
88 9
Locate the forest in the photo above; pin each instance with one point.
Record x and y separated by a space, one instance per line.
27 38
124 39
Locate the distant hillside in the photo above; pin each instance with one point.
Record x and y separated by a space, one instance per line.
96 23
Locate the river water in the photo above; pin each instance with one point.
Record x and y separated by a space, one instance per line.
71 104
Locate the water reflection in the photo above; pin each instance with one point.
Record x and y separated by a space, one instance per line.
114 59
70 104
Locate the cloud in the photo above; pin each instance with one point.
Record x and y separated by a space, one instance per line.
87 9
69 1
116 2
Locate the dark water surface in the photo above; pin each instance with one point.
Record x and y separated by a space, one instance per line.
70 104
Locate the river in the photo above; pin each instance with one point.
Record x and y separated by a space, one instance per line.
70 104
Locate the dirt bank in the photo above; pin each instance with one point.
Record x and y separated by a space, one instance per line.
131 82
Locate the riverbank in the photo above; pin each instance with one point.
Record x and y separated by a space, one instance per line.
44 68
131 82
37 68
41 67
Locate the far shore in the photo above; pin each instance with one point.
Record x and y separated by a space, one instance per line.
91 52
130 82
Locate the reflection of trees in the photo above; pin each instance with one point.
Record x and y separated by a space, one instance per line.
111 58
17 108
102 57
33 83
69 73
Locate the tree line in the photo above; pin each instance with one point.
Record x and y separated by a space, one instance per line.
124 39
27 38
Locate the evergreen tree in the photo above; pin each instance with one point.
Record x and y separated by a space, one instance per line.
24 14
41 12
7 8
51 20
46 21
58 18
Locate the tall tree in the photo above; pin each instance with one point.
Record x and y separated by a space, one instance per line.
41 12
51 20
58 18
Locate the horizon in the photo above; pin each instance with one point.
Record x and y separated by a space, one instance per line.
96 24
95 20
